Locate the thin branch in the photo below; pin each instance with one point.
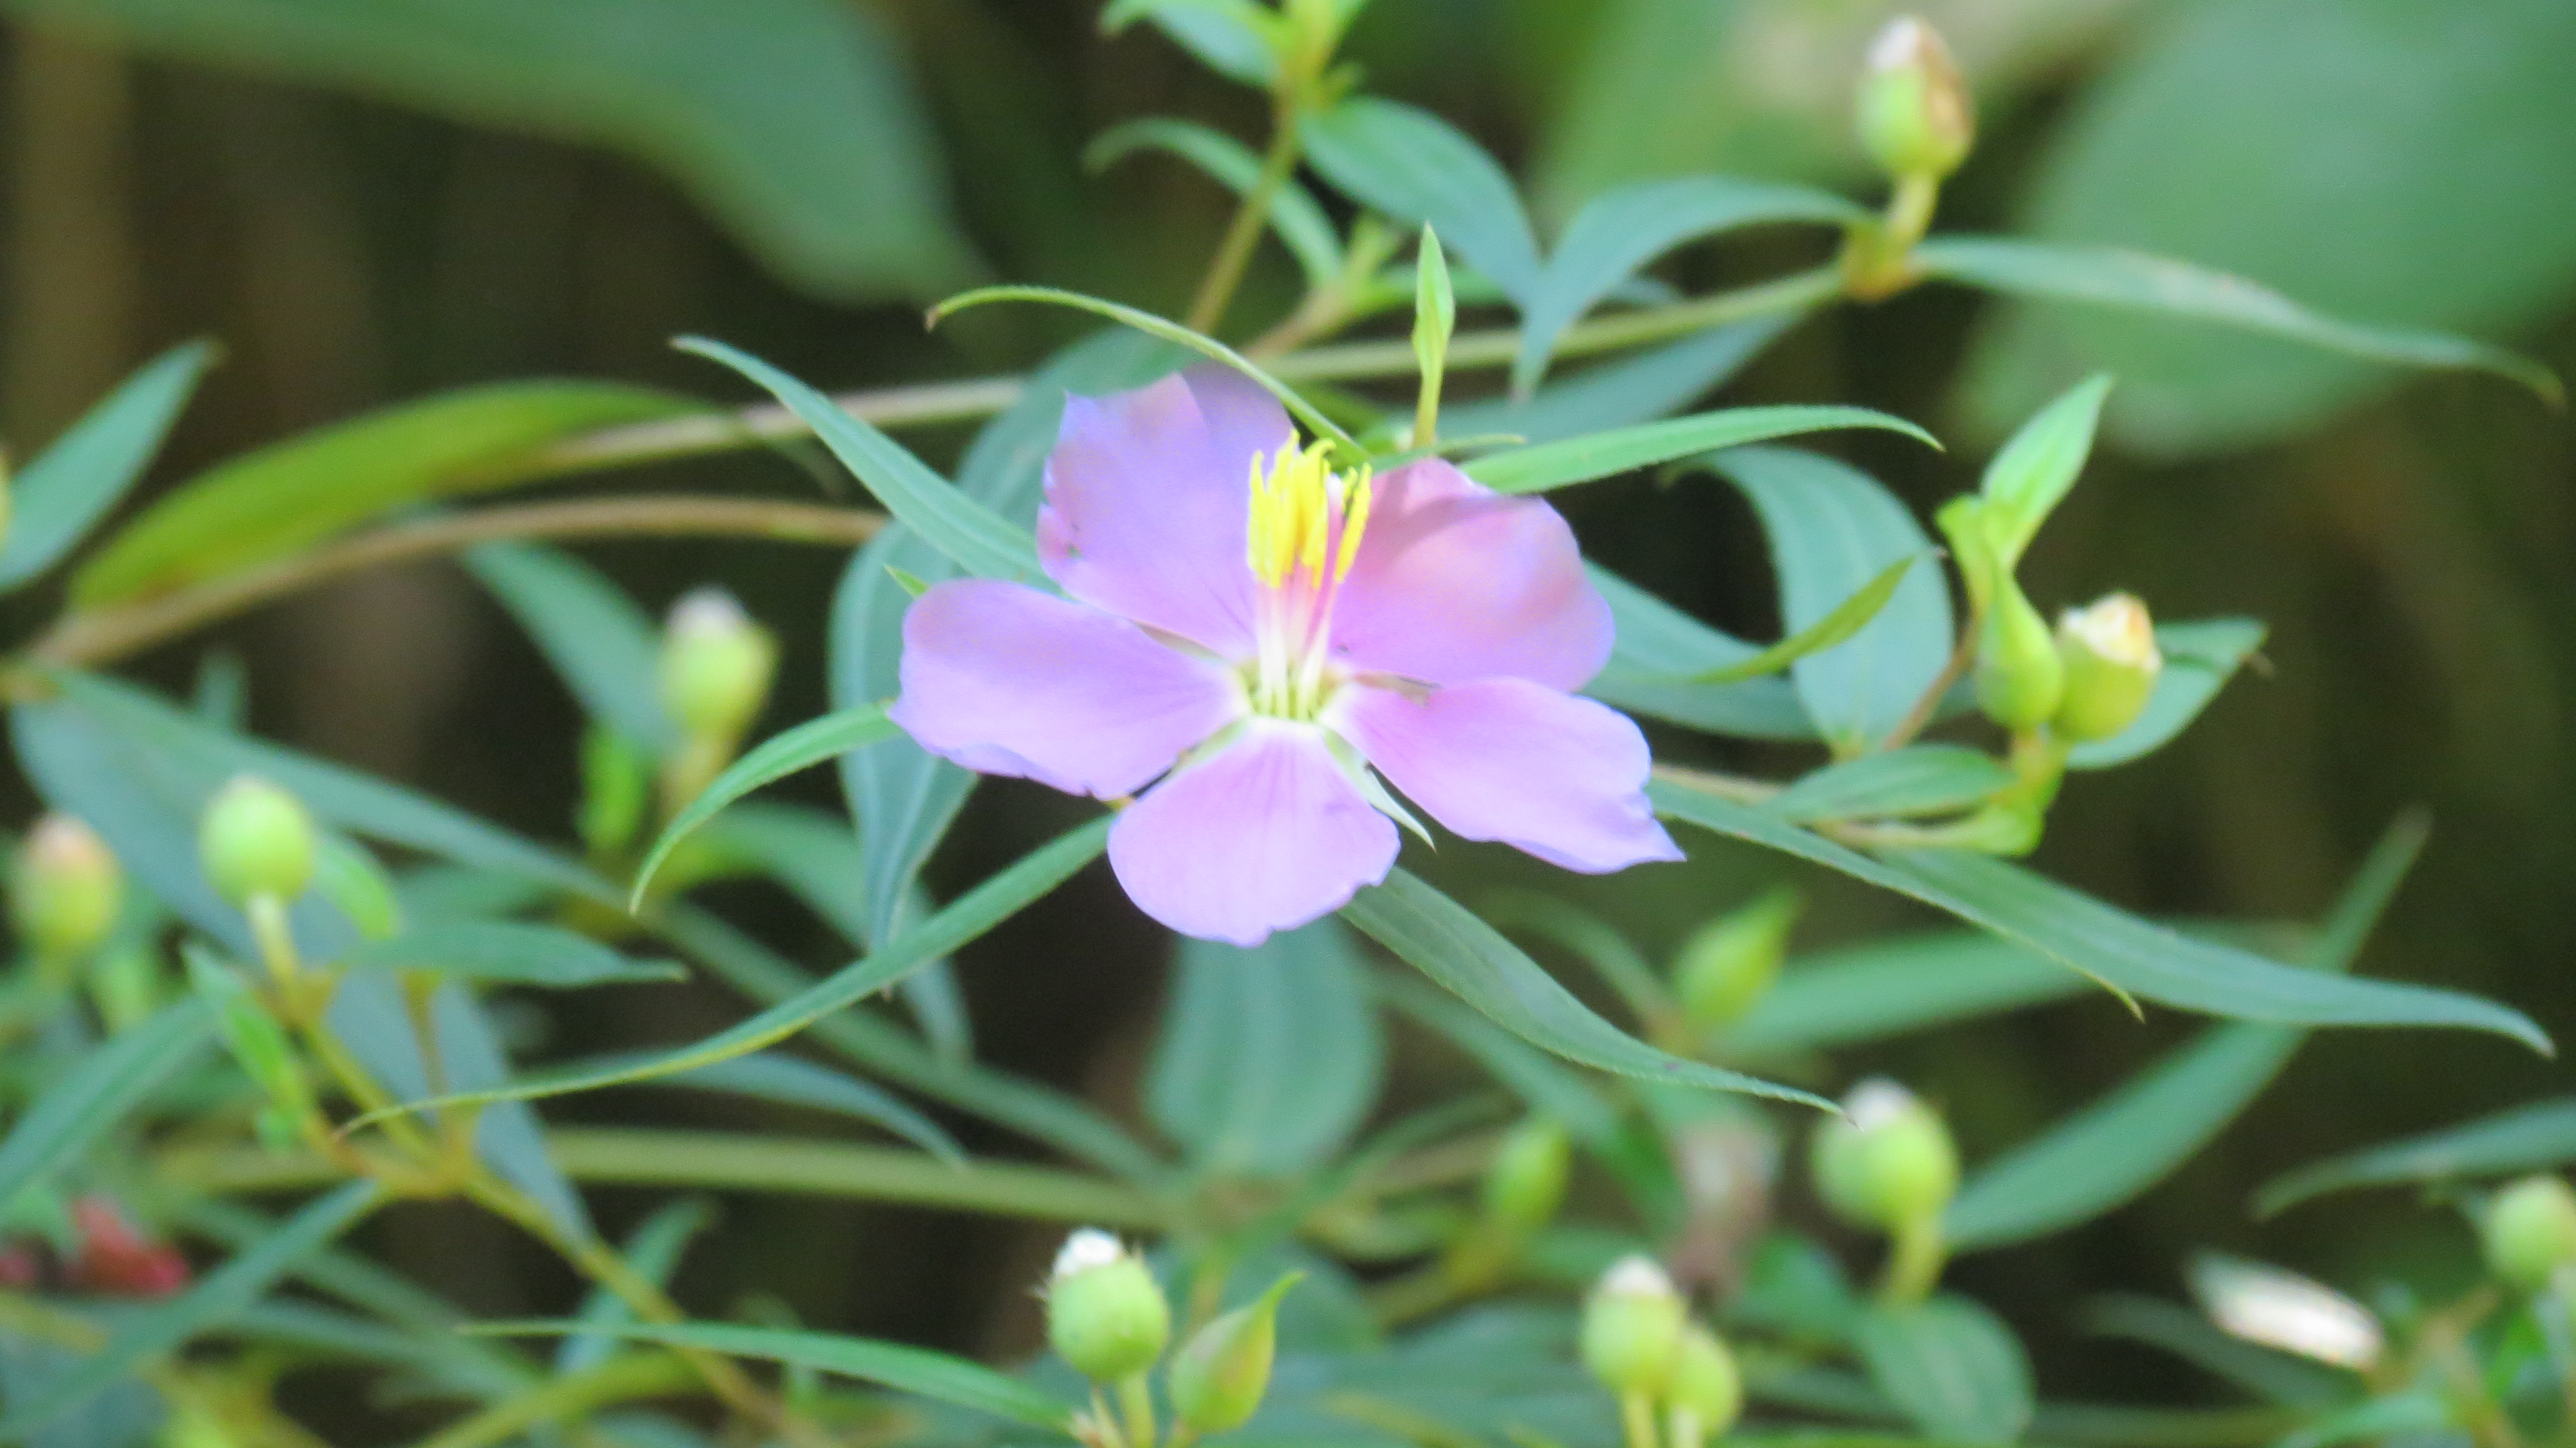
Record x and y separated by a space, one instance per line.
120 631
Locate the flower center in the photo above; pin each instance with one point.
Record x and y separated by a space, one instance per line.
1304 530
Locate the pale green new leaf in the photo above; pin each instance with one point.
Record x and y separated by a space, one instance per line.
2031 473
54 500
808 744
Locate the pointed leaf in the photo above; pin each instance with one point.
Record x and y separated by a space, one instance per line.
2033 471
1657 643
1847 619
2199 660
54 500
1581 459
777 757
789 1080
508 952
1417 168
1902 983
2532 1137
1919 779
602 646
1656 382
652 1253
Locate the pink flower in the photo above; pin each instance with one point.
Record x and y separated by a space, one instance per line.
1259 632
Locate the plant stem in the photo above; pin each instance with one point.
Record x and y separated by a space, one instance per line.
1234 253
1637 1420
620 1379
118 631
1915 1256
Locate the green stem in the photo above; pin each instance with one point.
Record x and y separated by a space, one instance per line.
1637 1420
1136 1400
1234 253
1916 1253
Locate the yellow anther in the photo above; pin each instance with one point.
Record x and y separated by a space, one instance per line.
1296 500
1355 515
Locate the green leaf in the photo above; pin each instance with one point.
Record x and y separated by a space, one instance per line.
913 1370
652 1253
1548 1086
508 952
1833 532
95 1093
2132 281
2535 1136
2145 960
283 499
964 529
2266 1372
1656 643
2200 658
1847 619
2106 1154
1165 330
2417 1413
2030 474
1626 228
1955 1369
54 500
2457 222
1655 382
1435 321
792 121
1294 213
1268 1059
1439 937
1417 168
216 1298
1902 983
1920 779
1581 459
962 921
1235 38
775 758
792 1081
603 647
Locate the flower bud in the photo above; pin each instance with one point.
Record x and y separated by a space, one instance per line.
2111 667
716 665
1727 966
256 839
1706 1392
1525 1182
116 1260
1914 114
65 889
1218 1380
1632 1328
2020 678
1105 1314
1887 1161
2529 1231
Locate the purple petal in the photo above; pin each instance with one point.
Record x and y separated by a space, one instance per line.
1007 680
1266 834
1146 497
1455 582
1505 759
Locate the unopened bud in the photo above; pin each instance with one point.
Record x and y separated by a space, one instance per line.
1221 1374
1105 1313
716 665
1706 1392
2529 1231
256 839
1887 1160
1525 1183
1728 965
2111 667
2020 678
1914 114
65 889
1632 1328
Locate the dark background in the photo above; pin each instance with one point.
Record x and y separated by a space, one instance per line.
2408 540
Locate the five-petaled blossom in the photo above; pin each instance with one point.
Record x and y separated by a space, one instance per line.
1256 631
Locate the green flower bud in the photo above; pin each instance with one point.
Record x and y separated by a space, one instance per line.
1632 1328
1218 1380
1887 1160
2020 678
1525 1182
1727 966
1105 1314
1914 114
1706 1392
716 665
2111 667
2529 1231
256 839
64 889
616 791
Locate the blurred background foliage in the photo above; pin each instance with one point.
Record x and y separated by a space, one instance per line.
371 201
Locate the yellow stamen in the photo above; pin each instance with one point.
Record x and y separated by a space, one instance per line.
1296 501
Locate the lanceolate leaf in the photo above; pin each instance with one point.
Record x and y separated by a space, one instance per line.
601 644
793 1081
2145 960
777 757
509 952
907 1369
1439 937
216 1299
100 1090
967 918
55 499
290 495
1294 214
1847 619
1653 383
2124 1143
2110 278
2532 1137
1954 1368
1919 779
1904 983
1419 169
1581 459
1232 37
1657 643
1624 229
2199 660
